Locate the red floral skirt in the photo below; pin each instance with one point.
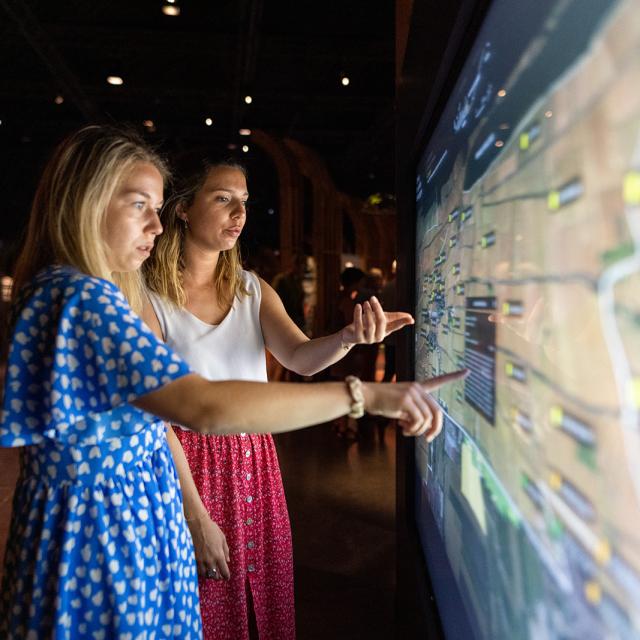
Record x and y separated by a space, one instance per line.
239 481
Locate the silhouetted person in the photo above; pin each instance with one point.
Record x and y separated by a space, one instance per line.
288 286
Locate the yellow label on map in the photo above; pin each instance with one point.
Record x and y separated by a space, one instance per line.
555 480
555 415
603 552
631 187
472 485
592 591
635 391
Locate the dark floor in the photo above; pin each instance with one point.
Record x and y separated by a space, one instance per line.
8 475
341 499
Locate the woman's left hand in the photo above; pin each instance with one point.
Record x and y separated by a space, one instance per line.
371 324
211 549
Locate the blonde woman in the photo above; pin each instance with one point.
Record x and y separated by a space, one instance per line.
220 318
98 546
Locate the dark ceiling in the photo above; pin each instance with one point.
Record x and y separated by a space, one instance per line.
178 71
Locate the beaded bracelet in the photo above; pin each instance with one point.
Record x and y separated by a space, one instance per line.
354 385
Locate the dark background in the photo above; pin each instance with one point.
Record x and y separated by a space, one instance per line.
180 70
289 56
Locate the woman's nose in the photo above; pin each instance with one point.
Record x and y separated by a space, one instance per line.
155 226
239 211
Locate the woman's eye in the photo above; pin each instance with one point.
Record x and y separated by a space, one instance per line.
222 199
139 205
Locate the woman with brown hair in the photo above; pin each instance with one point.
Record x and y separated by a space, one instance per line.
220 318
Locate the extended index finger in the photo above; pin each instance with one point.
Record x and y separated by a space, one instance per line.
438 381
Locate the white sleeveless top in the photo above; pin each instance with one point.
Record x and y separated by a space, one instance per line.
231 350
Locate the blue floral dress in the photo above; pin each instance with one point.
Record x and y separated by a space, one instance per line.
98 546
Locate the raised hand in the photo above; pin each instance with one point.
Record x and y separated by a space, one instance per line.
372 324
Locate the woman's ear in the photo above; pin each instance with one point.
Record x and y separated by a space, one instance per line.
181 213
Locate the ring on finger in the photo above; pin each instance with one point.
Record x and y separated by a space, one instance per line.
212 573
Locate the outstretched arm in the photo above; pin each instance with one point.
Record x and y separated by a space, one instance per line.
296 352
259 407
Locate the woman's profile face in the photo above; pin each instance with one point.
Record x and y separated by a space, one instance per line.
218 212
131 221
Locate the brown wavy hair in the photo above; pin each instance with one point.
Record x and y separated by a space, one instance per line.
163 270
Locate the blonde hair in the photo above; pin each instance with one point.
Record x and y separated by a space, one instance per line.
66 224
163 270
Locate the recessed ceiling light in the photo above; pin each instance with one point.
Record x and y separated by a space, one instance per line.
170 10
248 99
345 81
58 99
208 121
115 80
244 132
245 148
502 93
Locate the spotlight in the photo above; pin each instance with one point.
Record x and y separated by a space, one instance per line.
6 285
248 99
244 132
245 148
170 10
58 99
116 81
208 121
345 81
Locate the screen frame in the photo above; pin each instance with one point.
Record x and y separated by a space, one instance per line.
428 600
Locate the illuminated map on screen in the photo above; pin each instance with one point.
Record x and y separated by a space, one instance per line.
528 273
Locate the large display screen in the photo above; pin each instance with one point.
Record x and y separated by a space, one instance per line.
528 273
